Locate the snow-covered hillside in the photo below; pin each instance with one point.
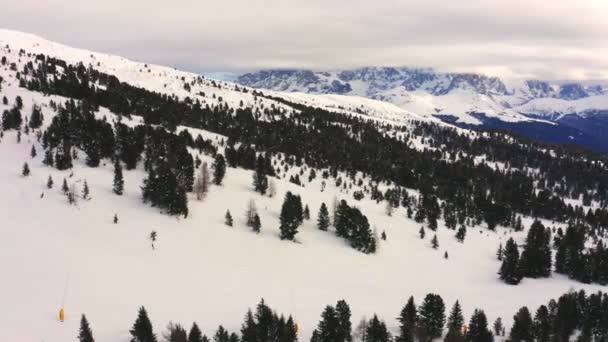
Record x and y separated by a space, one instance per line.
168 80
53 254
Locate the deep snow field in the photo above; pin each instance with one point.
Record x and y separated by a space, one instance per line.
53 254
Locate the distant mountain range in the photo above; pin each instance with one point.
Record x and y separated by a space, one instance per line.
558 113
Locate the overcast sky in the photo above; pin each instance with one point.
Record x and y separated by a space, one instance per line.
547 39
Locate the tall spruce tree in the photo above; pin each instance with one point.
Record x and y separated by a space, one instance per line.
25 170
260 180
344 324
248 328
323 219
221 335
455 320
478 328
195 334
535 259
142 328
327 329
219 169
118 183
461 234
228 219
175 333
434 242
432 315
509 270
256 225
407 321
85 334
522 326
85 190
542 324
376 331
291 216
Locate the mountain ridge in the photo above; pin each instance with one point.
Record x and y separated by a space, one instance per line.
460 98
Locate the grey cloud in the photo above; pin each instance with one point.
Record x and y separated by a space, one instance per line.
513 38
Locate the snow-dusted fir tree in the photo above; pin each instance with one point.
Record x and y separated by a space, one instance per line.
219 169
85 334
323 219
118 183
201 185
250 213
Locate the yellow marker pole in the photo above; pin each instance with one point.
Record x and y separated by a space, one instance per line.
61 315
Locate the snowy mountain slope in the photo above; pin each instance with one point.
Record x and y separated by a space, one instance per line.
465 99
170 81
53 254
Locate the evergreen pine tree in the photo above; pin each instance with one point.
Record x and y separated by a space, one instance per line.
455 320
85 334
306 213
48 158
221 335
327 329
344 324
119 183
499 252
33 152
432 315
455 324
542 324
509 270
228 219
498 327
219 169
256 224
461 233
435 242
248 329
323 220
260 181
376 331
422 232
522 326
36 117
49 183
26 170
64 187
407 321
478 328
290 217
142 328
85 190
201 185
250 213
535 259
233 338
195 334
175 333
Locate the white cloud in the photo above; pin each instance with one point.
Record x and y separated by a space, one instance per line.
514 38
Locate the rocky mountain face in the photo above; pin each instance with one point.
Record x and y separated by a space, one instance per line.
579 110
